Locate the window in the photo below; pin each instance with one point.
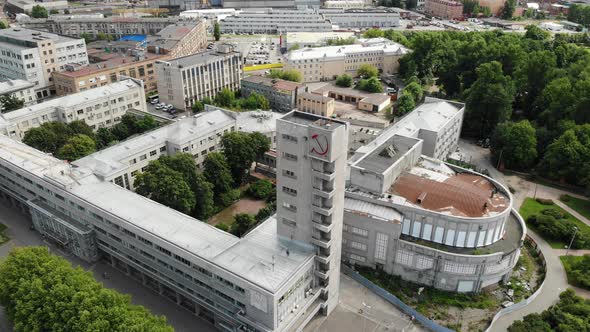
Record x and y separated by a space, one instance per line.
459 268
289 174
290 191
381 246
165 251
289 156
357 258
162 149
359 231
289 138
153 153
143 157
358 246
404 257
289 207
289 222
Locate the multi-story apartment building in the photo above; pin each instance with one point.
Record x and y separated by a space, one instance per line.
281 94
21 89
183 81
429 222
140 65
101 107
273 21
114 25
34 55
326 63
270 3
446 9
198 135
179 39
275 278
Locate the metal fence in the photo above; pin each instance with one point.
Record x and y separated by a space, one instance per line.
427 323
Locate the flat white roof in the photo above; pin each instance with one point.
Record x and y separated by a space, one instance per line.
362 207
334 52
261 257
314 37
432 115
14 85
69 100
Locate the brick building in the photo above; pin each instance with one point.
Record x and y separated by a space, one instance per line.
446 9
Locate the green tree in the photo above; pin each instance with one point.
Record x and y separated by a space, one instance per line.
4 25
217 172
568 157
166 186
341 41
39 12
77 147
198 106
86 36
216 31
367 71
374 33
43 292
10 102
261 189
579 13
223 227
242 223
486 11
204 197
536 33
80 127
54 11
370 85
344 80
101 36
535 72
488 100
49 137
516 144
405 104
104 138
225 98
66 11
260 144
292 75
396 36
239 153
146 123
508 9
255 101
415 90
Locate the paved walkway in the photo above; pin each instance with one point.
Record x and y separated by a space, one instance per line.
572 211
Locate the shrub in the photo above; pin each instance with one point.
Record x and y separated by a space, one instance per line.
553 213
223 227
260 189
545 201
230 197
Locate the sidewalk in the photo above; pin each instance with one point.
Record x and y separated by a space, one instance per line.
571 211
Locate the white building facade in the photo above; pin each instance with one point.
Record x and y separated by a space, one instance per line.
33 55
21 89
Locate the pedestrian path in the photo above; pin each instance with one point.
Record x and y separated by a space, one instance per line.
572 211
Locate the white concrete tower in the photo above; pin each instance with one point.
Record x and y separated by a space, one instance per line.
311 171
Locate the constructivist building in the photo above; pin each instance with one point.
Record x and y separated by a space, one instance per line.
34 55
326 63
410 214
183 81
274 21
99 108
275 278
198 135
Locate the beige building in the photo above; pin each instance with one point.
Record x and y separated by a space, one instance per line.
183 81
326 63
77 79
315 104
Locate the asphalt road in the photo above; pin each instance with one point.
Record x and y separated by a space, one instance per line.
177 317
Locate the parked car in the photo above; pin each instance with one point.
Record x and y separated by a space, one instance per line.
158 107
154 101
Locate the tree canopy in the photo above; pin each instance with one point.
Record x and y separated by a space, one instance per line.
43 292
39 11
10 102
344 80
292 75
367 71
217 172
516 144
370 85
241 149
216 31
76 147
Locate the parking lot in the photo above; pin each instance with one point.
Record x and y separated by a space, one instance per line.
259 49
160 112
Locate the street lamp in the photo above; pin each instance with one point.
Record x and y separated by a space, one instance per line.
572 240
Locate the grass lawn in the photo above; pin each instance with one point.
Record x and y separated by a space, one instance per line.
530 206
582 206
571 264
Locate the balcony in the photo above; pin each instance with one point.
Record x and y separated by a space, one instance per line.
321 275
324 192
323 227
323 259
321 242
323 210
323 175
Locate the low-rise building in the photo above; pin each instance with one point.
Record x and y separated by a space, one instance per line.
281 94
198 135
311 39
26 6
274 21
179 39
21 89
315 104
34 55
326 63
183 81
100 107
446 9
135 64
362 18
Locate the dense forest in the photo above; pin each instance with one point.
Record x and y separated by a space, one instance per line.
529 93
